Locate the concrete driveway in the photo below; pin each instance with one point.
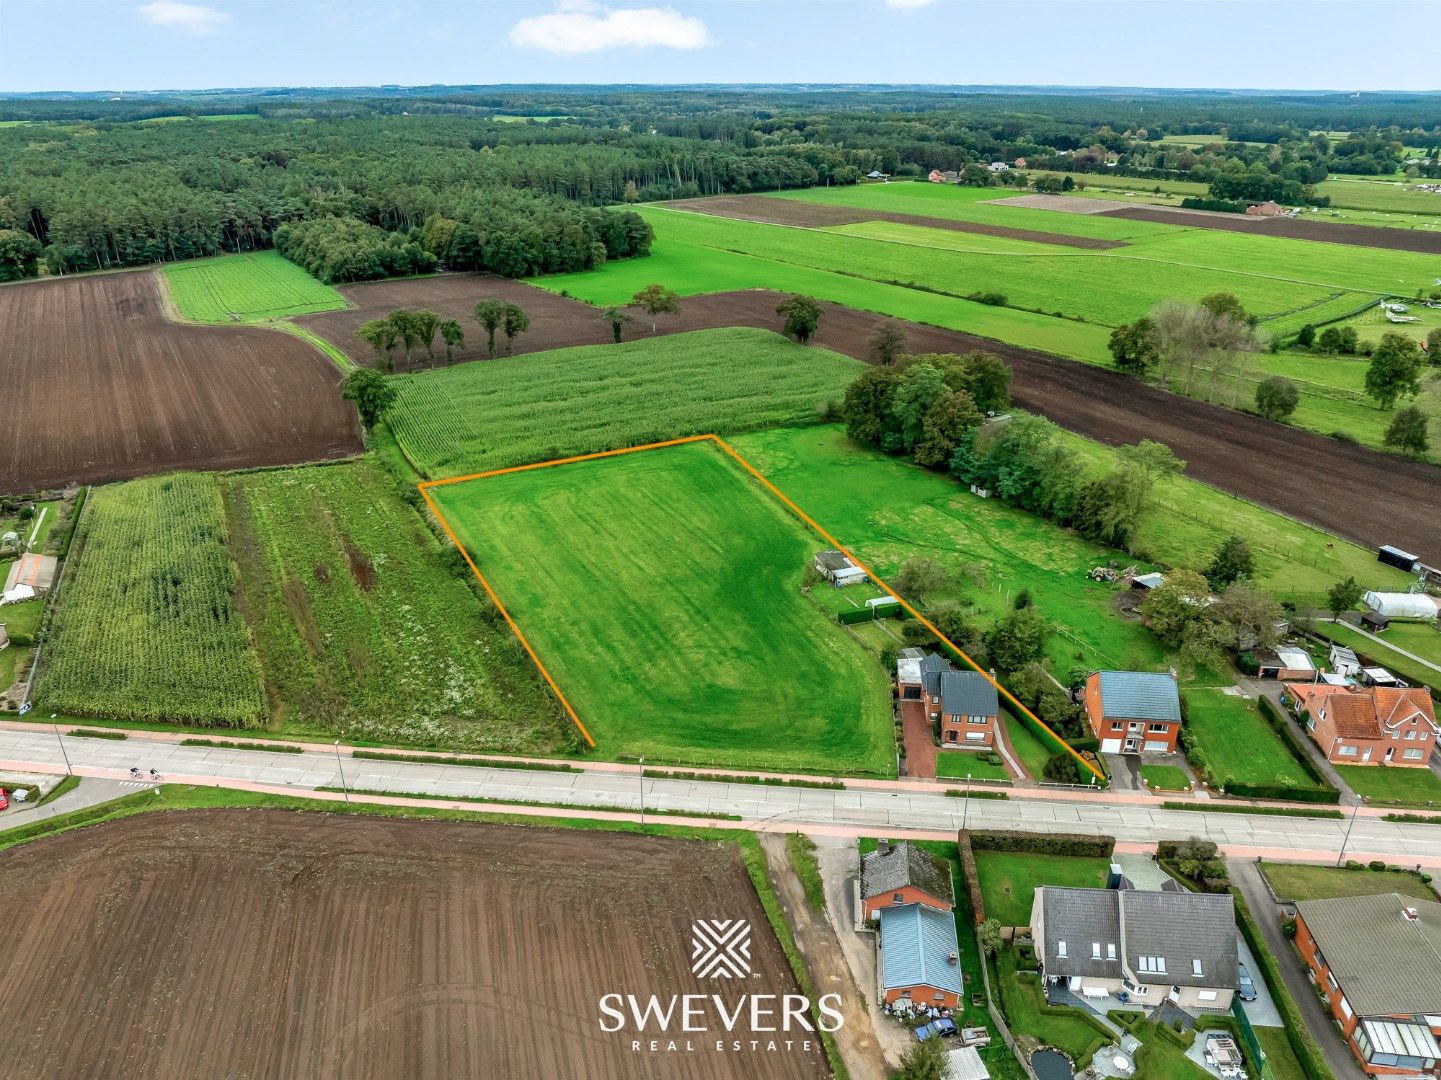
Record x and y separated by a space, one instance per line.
1262 1012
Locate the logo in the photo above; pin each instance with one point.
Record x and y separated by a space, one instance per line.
721 948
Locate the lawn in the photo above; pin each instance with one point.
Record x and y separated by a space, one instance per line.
1027 1013
1237 743
661 588
958 764
366 627
1279 1055
1010 878
494 414
246 288
1028 748
1165 778
1393 785
1292 881
1161 1059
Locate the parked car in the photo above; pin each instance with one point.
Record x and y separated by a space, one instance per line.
1245 988
942 1027
4 802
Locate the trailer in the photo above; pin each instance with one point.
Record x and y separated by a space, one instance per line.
1394 556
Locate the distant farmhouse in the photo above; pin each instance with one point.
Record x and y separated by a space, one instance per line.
837 568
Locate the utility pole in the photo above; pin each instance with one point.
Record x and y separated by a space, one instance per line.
1340 858
966 804
341 769
642 791
68 770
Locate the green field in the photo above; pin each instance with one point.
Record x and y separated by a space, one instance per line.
474 417
1392 785
146 628
1028 748
1395 196
1238 744
1293 881
1009 880
246 288
661 588
367 627
1027 1014
1372 323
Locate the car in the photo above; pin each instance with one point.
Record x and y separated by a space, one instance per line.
942 1027
4 802
1246 988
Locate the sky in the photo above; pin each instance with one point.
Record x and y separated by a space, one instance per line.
194 44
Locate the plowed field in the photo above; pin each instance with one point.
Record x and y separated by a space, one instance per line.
100 385
265 944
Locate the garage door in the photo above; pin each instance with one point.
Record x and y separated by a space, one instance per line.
1110 746
1158 747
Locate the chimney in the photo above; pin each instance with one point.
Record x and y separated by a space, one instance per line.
1411 914
953 959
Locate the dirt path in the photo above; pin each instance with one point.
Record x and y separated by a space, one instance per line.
829 972
814 215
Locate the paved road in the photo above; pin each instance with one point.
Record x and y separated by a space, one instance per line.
89 792
1247 879
894 808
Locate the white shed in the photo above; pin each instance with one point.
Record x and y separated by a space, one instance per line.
1402 605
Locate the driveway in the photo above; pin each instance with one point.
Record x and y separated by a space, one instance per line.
920 743
1125 772
1262 1012
1247 878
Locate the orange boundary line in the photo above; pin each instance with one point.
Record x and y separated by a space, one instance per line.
730 450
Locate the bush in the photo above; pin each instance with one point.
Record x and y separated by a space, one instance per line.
1377 865
995 299
973 882
1089 847
1225 206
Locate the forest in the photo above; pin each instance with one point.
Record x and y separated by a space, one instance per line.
518 176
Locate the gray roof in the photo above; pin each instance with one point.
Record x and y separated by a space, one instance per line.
1144 873
887 869
932 665
1387 964
917 943
832 560
1139 695
968 693
1181 927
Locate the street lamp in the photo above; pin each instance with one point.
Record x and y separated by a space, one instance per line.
642 790
63 754
1340 858
966 804
341 769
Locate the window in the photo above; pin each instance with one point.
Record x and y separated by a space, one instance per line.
899 898
1110 950
1411 735
1095 950
1061 949
1411 755
1206 995
950 736
1332 983
976 736
1424 736
1153 965
1196 968
1116 725
1345 751
912 693
978 719
1346 1009
1160 729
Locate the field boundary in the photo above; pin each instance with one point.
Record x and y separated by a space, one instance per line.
425 486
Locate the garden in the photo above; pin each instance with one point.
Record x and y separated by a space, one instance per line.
1296 881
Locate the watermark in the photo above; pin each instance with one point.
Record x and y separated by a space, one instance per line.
727 1022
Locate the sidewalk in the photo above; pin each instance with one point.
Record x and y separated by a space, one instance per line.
91 792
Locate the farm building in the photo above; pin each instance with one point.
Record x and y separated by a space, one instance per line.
1287 664
897 875
35 573
1134 712
1149 581
837 568
1374 621
1377 726
1402 605
1402 560
1376 961
920 957
970 710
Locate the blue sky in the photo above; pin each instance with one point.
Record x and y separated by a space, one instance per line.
183 44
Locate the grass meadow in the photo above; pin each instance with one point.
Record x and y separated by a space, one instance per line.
1293 881
252 287
661 589
1009 880
564 402
1393 785
1238 744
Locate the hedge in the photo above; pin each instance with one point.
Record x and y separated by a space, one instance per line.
866 614
1089 847
1308 1054
1282 728
1238 808
973 878
1323 792
1224 206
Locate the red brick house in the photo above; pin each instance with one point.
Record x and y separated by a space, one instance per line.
963 705
1134 712
1376 726
898 874
1376 961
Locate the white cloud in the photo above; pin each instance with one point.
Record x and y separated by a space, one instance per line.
188 18
581 27
908 4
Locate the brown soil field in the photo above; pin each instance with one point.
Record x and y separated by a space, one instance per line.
1326 232
100 386
811 216
256 944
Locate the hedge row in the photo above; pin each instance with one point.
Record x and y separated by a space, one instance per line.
1240 808
1282 727
1308 1054
973 878
866 614
1323 792
1224 206
1089 847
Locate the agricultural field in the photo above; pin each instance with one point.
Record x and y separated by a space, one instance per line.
251 287
1237 743
146 628
566 402
366 627
1372 323
661 589
398 927
1391 196
110 388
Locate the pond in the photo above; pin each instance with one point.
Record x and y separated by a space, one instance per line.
1051 1065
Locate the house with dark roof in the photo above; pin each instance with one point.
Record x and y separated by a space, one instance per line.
970 710
895 875
1377 962
1134 712
1378 725
918 677
919 957
1151 946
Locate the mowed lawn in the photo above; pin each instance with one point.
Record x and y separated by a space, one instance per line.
1297 882
1238 744
1393 784
246 288
661 589
1009 880
497 413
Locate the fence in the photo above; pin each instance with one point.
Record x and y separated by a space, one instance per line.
1248 1036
